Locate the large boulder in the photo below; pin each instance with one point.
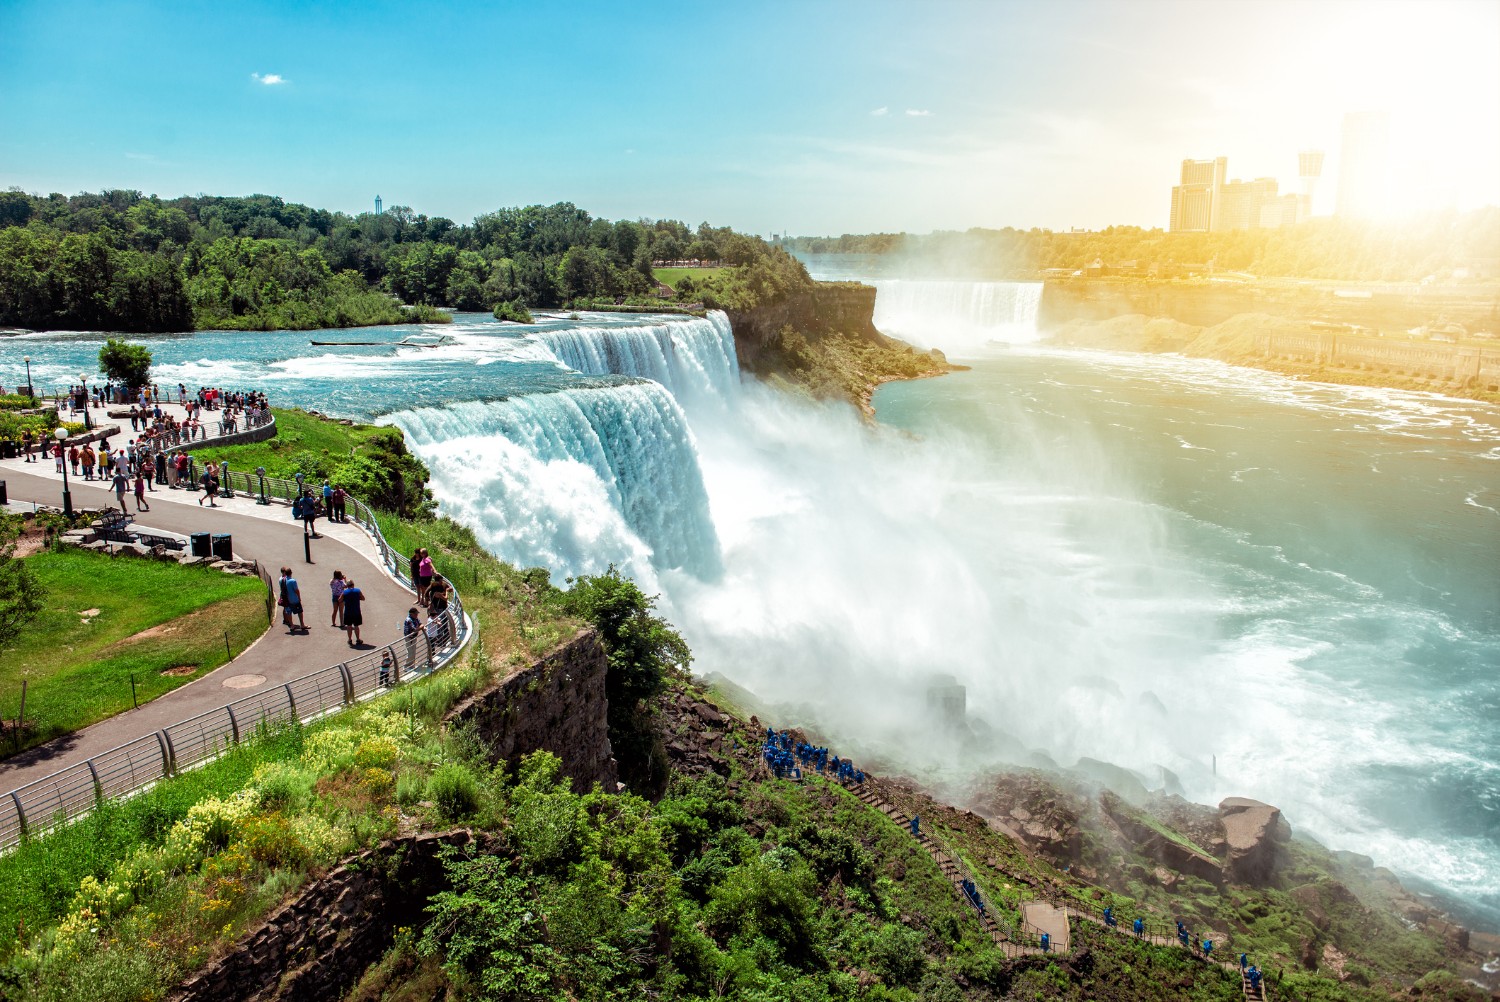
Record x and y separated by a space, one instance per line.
1252 832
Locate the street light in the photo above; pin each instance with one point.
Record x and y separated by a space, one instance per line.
260 471
301 505
83 380
29 391
62 436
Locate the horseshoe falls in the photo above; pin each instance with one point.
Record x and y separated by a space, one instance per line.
961 318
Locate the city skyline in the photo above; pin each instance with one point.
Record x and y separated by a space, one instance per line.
866 118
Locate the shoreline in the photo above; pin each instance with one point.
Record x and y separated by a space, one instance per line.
866 402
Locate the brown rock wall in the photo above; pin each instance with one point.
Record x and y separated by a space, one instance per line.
558 704
318 945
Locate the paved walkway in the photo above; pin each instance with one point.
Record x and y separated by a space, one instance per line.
264 533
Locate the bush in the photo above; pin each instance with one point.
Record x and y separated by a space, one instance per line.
454 790
514 311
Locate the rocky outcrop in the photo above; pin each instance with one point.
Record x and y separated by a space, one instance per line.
1253 832
1156 844
558 704
318 945
828 307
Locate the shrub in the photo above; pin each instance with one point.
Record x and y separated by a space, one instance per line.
513 311
454 790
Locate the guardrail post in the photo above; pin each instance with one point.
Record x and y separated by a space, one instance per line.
98 786
20 812
166 754
428 637
170 751
348 684
234 724
291 701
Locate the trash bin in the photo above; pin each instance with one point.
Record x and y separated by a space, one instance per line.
199 544
4 498
223 546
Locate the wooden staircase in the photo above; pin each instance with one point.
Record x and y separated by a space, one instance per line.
956 873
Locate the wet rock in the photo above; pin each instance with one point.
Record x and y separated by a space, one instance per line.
1252 831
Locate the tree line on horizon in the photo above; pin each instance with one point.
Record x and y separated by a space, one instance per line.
1442 245
120 260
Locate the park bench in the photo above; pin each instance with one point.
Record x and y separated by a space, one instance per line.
116 535
151 539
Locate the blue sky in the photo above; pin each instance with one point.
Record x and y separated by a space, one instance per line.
807 116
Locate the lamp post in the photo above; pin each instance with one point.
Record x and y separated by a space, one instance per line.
301 506
29 391
62 436
260 471
83 381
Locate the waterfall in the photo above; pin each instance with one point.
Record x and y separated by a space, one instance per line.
958 317
573 480
693 357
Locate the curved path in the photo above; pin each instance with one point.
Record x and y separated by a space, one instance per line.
263 533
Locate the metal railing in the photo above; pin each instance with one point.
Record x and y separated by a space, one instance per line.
132 767
70 793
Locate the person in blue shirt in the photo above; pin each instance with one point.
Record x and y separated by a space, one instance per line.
1244 961
916 826
1046 943
353 611
1140 927
1109 915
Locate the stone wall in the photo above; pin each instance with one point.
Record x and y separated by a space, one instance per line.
318 946
257 434
1465 365
558 704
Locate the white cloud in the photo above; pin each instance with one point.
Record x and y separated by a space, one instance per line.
918 112
880 111
269 79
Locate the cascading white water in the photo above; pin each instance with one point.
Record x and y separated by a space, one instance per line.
692 357
574 480
961 318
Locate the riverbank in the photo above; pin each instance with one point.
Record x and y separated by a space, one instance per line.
1465 370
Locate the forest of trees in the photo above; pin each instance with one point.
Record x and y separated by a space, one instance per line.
1437 245
119 260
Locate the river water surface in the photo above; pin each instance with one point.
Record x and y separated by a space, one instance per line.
1212 576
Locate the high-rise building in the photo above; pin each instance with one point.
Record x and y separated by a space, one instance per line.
1364 165
1196 202
1309 169
378 204
1244 205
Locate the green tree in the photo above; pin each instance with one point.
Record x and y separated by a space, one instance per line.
21 596
642 648
125 363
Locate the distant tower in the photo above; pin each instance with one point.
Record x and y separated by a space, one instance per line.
1309 169
1364 165
378 204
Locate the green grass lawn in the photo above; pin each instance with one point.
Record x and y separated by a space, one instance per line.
671 276
107 619
296 431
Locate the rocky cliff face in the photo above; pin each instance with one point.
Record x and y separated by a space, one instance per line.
827 308
317 945
558 704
